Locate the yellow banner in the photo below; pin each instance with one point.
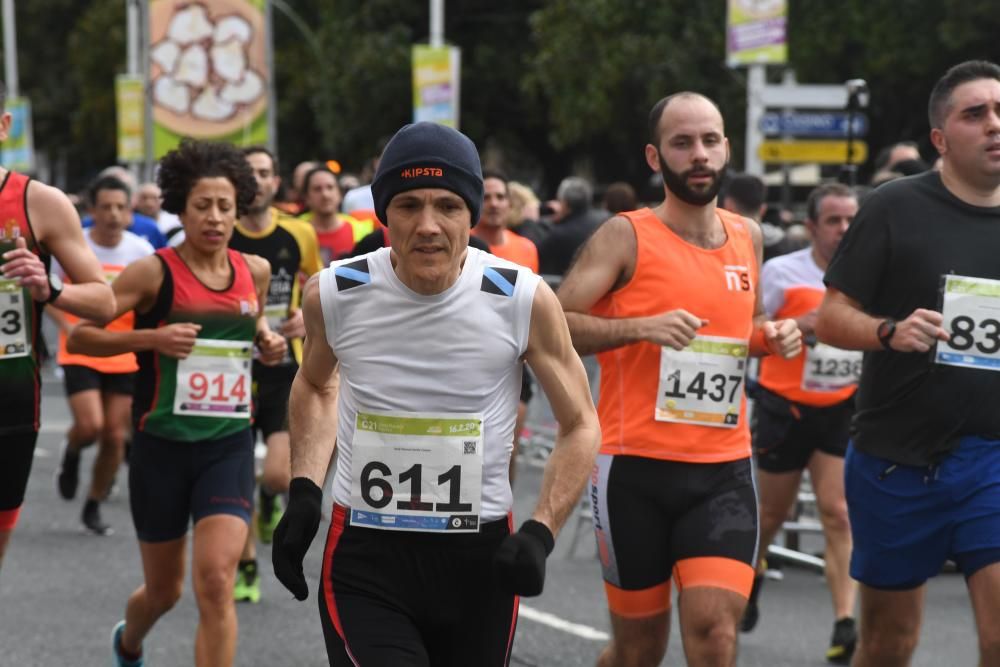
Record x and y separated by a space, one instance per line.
436 77
208 71
130 110
756 32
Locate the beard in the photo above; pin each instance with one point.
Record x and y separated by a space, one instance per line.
677 183
259 205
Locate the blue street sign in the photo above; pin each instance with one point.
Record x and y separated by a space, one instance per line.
812 124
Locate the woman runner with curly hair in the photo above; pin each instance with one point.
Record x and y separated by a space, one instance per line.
197 319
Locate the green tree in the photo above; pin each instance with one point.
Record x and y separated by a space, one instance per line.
598 66
46 76
97 42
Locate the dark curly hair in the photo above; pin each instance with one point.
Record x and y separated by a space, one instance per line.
193 160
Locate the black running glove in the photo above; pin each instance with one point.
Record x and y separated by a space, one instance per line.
294 534
519 563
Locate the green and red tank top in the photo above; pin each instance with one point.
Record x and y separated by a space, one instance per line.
207 395
20 317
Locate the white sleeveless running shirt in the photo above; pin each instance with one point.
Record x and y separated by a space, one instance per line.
457 352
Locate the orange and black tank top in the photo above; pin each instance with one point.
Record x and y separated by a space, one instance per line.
821 375
20 317
207 395
689 405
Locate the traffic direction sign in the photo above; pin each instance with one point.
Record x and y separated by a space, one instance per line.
812 124
804 95
822 152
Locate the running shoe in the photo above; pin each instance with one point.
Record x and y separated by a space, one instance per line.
752 612
247 587
843 642
68 474
92 519
116 643
268 516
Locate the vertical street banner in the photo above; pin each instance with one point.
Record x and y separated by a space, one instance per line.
130 112
18 152
436 75
208 71
756 32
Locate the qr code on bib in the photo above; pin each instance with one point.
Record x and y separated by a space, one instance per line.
470 446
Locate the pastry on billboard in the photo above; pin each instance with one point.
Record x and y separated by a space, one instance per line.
247 90
233 27
172 95
189 25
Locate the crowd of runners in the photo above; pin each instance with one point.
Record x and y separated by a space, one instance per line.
383 343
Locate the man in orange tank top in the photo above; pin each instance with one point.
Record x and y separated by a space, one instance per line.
668 300
803 410
492 230
492 227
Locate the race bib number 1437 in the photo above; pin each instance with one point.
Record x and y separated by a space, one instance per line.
703 383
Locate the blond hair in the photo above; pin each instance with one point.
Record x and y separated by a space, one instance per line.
521 197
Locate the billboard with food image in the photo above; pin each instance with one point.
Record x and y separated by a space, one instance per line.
208 71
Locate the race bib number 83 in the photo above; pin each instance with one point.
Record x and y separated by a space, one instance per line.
971 310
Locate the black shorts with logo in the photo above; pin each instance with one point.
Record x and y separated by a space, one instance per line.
785 434
656 519
173 483
390 598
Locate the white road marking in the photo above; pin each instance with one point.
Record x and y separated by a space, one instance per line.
55 427
553 621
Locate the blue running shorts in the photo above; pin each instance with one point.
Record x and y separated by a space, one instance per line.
906 521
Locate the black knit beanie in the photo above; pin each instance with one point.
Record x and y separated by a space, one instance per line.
429 155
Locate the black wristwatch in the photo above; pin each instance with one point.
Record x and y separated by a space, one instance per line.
55 287
886 330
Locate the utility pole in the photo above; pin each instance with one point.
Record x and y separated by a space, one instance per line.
10 49
437 23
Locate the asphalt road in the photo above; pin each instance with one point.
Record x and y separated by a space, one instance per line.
62 590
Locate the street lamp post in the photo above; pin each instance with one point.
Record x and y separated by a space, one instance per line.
10 49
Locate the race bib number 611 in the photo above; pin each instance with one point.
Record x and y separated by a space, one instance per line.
971 310
417 472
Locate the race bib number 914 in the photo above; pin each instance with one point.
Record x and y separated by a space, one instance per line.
214 380
971 311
